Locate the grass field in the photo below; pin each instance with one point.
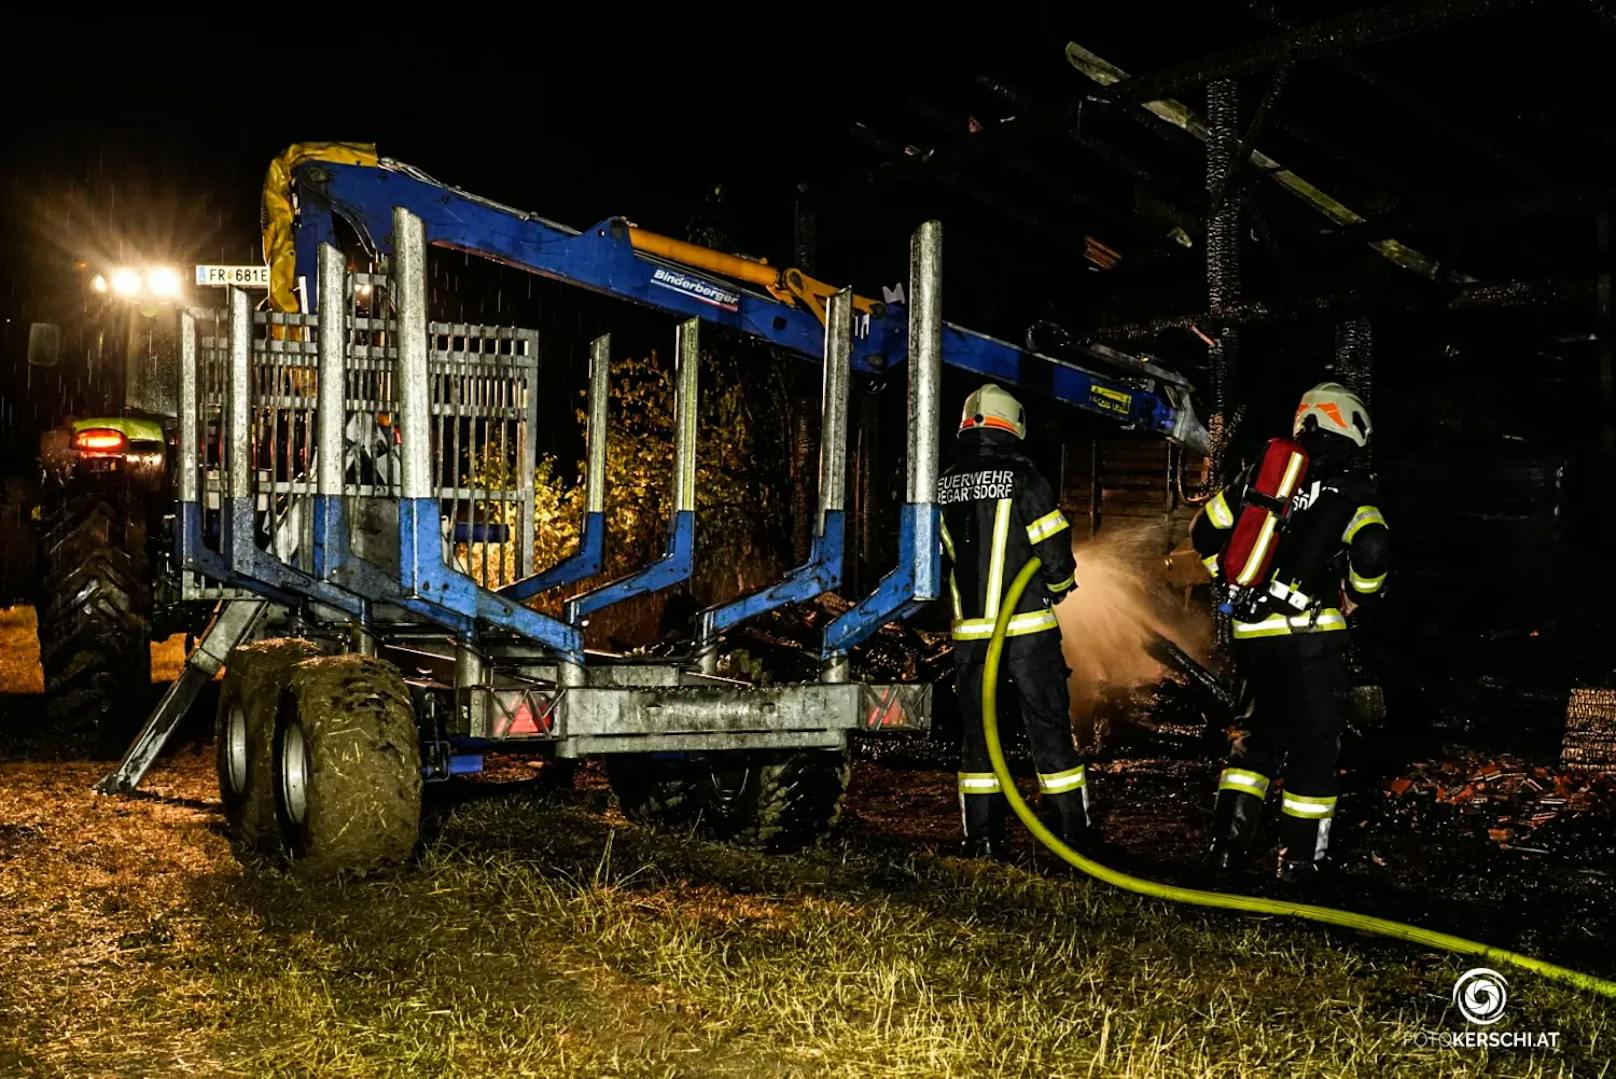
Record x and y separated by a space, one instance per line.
19 653
541 935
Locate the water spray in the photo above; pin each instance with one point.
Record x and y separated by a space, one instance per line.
1364 923
1126 632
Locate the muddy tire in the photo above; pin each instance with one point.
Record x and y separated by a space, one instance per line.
655 792
244 738
777 801
94 613
346 767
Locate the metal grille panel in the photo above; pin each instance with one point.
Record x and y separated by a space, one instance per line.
282 396
484 410
483 406
207 369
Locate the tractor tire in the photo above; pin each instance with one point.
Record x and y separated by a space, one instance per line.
244 738
652 791
346 768
94 613
780 801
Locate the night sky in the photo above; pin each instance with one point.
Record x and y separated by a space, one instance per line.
167 172
148 154
126 157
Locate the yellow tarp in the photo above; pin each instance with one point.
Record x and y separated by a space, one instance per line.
280 252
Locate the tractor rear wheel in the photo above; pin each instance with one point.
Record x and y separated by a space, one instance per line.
94 613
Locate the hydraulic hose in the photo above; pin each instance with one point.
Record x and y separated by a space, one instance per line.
1251 904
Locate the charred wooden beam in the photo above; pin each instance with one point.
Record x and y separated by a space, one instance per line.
1512 208
1329 36
1063 234
1607 326
1181 116
1437 120
1248 142
1288 271
1066 120
1471 298
1222 262
1175 191
1355 356
1564 123
962 147
919 164
1355 161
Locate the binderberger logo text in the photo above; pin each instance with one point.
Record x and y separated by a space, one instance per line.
697 288
1480 995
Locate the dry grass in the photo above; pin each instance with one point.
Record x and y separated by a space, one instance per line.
542 936
167 657
19 658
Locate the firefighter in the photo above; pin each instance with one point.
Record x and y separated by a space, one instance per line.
997 510
1290 644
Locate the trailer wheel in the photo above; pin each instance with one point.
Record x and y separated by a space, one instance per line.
244 737
94 614
779 801
653 791
346 767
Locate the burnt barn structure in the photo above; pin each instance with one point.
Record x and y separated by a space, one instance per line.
1245 198
1412 200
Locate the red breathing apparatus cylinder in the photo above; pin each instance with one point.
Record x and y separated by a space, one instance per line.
1265 510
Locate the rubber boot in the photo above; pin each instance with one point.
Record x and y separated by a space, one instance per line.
1234 828
1301 871
1067 816
1304 844
984 827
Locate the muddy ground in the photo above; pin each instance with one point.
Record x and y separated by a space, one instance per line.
1509 848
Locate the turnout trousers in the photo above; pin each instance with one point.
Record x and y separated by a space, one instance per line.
1299 686
1037 674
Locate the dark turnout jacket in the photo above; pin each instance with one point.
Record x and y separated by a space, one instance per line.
1337 543
998 511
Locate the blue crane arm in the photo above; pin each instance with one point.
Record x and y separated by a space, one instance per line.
603 258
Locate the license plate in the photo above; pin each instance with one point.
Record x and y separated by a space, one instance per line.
238 276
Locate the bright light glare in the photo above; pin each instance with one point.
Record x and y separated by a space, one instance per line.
99 283
162 281
125 282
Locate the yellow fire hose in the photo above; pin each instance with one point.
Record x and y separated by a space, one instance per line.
1251 904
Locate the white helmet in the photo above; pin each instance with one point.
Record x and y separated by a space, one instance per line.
1336 409
992 407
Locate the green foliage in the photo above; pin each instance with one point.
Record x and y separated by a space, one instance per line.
741 475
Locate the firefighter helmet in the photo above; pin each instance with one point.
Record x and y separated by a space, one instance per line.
993 408
1335 409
